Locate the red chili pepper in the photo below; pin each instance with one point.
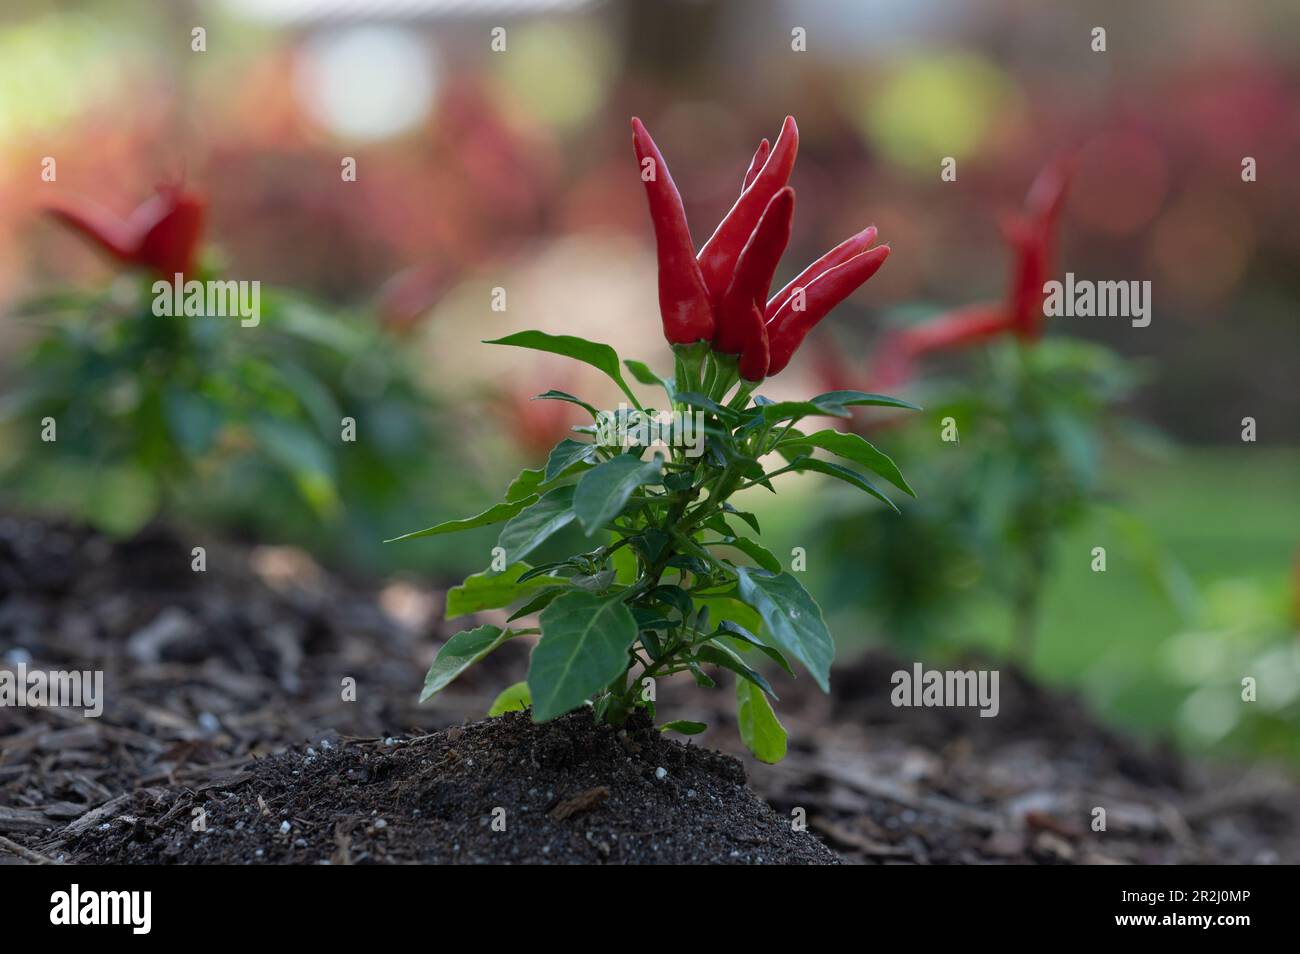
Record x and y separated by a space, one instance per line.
720 253
853 245
1033 236
756 164
684 301
752 280
161 235
790 324
955 329
756 354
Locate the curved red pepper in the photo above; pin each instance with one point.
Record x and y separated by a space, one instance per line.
851 246
720 253
684 302
955 329
161 235
789 326
753 277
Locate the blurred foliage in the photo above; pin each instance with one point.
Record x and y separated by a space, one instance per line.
214 424
1006 458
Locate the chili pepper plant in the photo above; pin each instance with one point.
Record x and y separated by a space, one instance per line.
674 579
198 417
1028 415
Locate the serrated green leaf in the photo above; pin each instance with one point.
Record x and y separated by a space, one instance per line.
792 620
459 653
584 644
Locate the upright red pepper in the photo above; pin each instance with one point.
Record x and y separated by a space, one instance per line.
719 293
789 325
720 253
756 164
684 302
1033 236
161 235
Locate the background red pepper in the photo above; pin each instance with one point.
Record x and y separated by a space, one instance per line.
162 234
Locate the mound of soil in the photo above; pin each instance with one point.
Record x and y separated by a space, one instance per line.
500 791
217 683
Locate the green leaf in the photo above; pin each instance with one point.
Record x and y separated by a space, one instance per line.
566 454
754 550
511 699
760 729
700 402
584 644
538 602
728 609
604 490
683 726
641 371
600 356
744 639
537 524
749 518
794 410
495 514
791 619
459 653
491 590
861 398
860 451
554 395
722 655
525 485
813 465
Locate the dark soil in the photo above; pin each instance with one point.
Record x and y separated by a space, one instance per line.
503 790
217 684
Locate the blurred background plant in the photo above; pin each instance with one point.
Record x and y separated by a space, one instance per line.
480 170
